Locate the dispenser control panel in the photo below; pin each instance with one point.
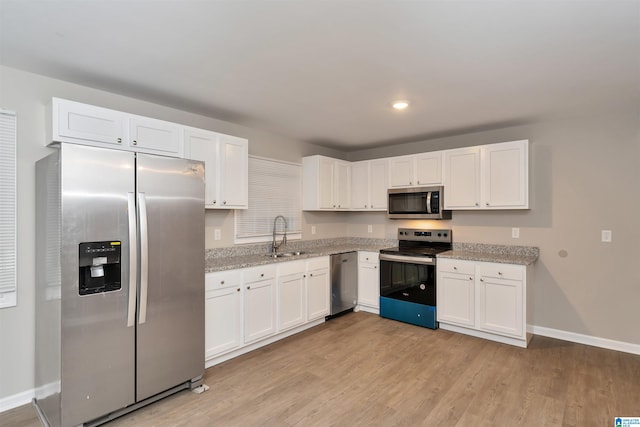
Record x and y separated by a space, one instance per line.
99 264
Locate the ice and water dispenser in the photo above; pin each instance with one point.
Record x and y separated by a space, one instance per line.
99 267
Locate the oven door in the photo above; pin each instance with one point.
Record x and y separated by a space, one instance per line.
411 279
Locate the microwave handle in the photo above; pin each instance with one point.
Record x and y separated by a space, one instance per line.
429 202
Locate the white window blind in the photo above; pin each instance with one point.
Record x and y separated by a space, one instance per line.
8 142
274 189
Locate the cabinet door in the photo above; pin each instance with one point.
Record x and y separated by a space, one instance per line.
369 285
259 310
500 307
462 178
155 136
223 321
234 172
360 185
429 168
378 177
317 294
202 145
291 301
326 182
455 298
505 175
342 190
401 172
76 121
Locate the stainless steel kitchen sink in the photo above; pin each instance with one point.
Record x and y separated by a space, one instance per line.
286 254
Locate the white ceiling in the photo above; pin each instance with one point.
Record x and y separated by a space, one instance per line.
326 71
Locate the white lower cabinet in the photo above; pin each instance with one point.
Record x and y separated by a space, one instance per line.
318 290
291 301
369 281
456 292
223 312
259 303
484 299
251 307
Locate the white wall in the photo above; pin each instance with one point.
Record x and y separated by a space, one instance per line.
584 177
28 94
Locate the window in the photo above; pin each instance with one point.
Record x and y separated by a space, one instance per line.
7 209
274 189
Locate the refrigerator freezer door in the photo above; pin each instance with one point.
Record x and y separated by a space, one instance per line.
170 343
97 347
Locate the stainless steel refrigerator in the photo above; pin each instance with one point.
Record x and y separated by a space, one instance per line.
120 281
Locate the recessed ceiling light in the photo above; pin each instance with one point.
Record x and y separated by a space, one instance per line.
400 105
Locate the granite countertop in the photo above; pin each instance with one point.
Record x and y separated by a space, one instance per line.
234 258
522 255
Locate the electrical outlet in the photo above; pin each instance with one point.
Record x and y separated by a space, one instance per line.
515 233
313 229
217 234
369 228
606 236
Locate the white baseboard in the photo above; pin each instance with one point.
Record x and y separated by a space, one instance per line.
16 400
585 339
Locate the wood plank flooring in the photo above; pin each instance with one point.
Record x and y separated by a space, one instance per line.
360 369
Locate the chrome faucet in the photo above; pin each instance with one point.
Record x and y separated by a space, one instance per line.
274 245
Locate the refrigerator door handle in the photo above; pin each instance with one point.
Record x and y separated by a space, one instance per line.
133 258
144 258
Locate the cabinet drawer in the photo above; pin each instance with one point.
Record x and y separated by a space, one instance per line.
291 267
456 266
317 263
371 257
501 271
222 279
255 274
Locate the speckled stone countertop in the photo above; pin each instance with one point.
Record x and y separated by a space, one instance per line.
231 258
523 255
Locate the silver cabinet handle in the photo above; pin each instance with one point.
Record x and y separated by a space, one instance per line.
119 140
487 203
133 258
482 280
470 278
135 142
222 282
238 289
224 202
144 257
248 287
261 274
214 202
477 204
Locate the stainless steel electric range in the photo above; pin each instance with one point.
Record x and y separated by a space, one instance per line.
408 276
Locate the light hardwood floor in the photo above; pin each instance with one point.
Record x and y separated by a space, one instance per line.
363 370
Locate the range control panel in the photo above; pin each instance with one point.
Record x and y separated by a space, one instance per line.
422 235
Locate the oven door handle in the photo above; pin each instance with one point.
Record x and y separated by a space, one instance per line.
409 259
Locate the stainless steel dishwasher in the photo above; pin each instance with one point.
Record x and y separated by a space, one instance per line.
344 282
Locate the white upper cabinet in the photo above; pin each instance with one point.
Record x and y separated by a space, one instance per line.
422 169
326 184
505 175
226 167
462 178
369 185
154 136
101 127
428 168
401 172
492 176
234 172
86 124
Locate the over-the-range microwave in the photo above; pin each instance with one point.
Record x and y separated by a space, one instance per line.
417 203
